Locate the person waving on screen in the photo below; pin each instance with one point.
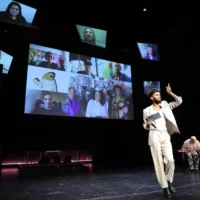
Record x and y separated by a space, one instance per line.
160 121
13 14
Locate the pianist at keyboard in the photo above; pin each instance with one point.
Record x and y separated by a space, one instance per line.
192 143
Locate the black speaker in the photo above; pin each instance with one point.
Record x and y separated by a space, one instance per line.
44 160
56 159
68 159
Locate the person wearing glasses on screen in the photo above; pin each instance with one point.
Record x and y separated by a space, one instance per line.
193 156
49 62
123 110
13 14
87 71
89 36
160 129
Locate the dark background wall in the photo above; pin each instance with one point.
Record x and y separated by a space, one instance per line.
110 140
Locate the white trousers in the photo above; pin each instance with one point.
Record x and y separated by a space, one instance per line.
161 151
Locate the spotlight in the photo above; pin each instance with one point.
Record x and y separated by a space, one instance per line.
144 10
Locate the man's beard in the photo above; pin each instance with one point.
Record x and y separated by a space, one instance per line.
156 101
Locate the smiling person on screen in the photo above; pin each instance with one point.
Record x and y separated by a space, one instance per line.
45 107
13 14
160 129
98 106
123 110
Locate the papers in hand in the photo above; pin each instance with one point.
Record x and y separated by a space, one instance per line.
154 116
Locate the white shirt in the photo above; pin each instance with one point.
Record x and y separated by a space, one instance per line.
189 145
95 109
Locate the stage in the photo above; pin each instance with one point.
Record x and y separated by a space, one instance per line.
85 183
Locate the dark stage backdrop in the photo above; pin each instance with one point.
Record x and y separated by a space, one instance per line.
111 140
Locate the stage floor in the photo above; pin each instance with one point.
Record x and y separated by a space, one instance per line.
80 183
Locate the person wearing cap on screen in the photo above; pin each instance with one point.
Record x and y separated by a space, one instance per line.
160 128
87 71
192 143
13 14
123 110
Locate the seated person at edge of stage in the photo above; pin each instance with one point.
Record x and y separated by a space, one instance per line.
87 71
192 143
98 106
49 62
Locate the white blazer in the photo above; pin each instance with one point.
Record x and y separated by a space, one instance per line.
170 119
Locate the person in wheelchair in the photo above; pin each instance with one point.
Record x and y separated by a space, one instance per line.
192 156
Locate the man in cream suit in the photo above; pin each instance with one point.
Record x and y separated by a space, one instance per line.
160 130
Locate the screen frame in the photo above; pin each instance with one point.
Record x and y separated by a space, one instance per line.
77 117
88 44
10 62
149 43
21 25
